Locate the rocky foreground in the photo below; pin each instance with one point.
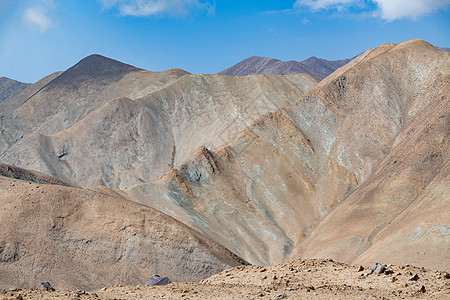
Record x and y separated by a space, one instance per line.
300 279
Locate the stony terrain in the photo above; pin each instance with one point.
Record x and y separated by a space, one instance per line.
317 67
299 279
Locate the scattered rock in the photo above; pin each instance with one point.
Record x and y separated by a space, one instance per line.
388 272
368 272
379 268
446 275
263 277
422 289
280 296
414 278
46 286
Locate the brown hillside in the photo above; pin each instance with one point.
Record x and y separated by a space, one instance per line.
331 174
83 239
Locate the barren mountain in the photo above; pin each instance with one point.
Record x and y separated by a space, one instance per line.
271 167
9 88
317 67
59 101
117 137
85 239
340 173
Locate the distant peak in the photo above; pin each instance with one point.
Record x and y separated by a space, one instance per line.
97 59
98 65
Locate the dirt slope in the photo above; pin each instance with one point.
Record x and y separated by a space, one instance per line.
84 239
325 176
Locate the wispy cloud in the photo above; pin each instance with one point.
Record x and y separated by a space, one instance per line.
142 8
389 10
38 17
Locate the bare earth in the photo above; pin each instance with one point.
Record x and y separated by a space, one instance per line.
300 279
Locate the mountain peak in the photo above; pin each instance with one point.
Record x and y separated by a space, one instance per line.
94 67
97 64
316 67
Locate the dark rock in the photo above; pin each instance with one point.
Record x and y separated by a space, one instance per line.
361 268
422 289
414 278
46 286
158 280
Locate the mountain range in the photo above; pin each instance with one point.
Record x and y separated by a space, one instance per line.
316 67
120 172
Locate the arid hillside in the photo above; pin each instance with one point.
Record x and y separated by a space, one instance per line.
185 174
356 170
85 239
106 123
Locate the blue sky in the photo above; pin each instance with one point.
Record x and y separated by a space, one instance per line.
39 37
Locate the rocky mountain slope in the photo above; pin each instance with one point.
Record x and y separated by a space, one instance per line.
119 126
9 88
317 67
270 167
85 239
340 173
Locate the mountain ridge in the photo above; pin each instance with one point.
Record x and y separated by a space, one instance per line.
316 67
10 87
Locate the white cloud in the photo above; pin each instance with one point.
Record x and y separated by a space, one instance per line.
386 9
36 17
396 9
159 7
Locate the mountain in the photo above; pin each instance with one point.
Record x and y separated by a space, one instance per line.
316 67
85 239
339 173
60 100
9 88
123 126
259 168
